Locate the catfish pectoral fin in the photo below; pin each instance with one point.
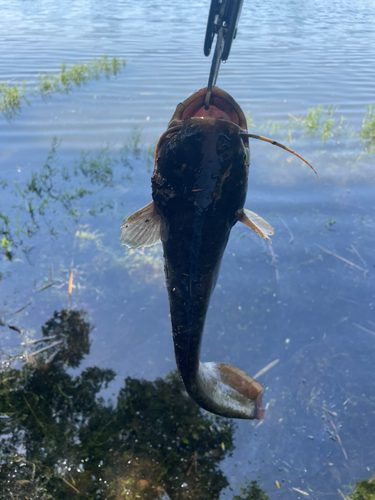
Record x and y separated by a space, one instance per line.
231 392
142 229
256 223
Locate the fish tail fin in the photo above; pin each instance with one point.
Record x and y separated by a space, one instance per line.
232 389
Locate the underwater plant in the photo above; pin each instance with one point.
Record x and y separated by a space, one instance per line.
12 97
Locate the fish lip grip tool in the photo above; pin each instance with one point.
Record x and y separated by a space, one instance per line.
222 21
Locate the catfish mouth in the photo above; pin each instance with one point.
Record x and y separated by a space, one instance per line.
222 106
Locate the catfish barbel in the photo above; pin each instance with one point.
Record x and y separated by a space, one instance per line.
199 189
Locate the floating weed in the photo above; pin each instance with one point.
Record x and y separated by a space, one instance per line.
367 132
330 222
6 245
77 75
311 123
13 96
328 125
318 122
11 99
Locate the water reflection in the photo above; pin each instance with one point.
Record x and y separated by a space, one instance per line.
60 439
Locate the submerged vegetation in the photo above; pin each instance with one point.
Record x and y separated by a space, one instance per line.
12 97
62 189
320 122
367 133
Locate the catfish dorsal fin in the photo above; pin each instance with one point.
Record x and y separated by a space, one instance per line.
142 229
256 223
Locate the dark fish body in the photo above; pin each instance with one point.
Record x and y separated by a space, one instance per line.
199 184
199 189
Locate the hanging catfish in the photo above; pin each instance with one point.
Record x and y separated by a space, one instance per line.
199 189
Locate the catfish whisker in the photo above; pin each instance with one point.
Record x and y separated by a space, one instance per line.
274 143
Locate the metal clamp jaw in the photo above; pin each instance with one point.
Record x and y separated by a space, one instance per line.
222 21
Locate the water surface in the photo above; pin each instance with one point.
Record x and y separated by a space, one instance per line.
294 302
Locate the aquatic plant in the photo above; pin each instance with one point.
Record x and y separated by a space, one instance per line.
63 189
317 122
367 132
328 125
311 122
13 96
11 99
78 74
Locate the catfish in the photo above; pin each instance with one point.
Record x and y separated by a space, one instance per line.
199 187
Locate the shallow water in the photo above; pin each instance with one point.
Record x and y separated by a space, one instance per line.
293 303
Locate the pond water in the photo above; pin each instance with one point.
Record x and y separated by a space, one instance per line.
303 307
